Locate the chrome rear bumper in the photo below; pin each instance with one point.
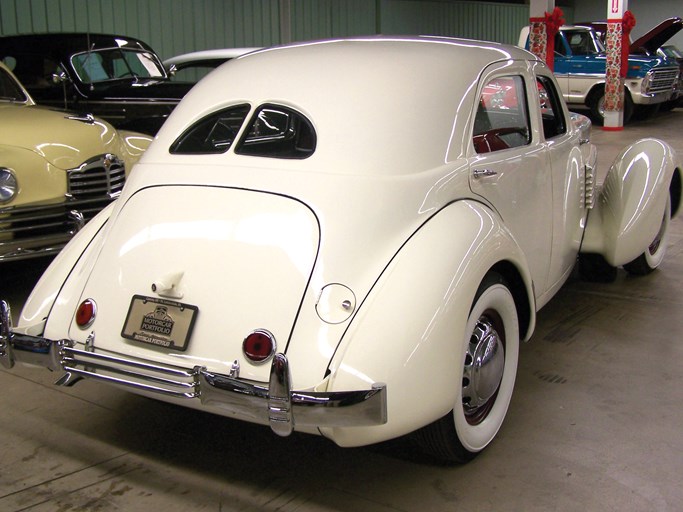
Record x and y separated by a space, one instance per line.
274 404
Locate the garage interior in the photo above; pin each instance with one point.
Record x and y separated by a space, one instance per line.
594 422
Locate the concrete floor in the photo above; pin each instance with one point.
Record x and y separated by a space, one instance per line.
594 424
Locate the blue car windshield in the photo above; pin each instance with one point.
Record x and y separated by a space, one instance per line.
114 64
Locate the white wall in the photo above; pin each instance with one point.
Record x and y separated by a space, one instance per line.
648 13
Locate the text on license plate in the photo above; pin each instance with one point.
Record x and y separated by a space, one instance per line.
159 322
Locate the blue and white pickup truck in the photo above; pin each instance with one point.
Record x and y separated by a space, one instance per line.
580 61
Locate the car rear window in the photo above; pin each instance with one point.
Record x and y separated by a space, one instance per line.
273 131
212 134
278 132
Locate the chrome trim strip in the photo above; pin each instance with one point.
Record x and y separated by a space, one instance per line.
273 404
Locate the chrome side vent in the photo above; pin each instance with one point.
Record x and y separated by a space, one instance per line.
589 187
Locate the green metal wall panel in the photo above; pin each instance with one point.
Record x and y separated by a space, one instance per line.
317 19
474 20
179 26
169 26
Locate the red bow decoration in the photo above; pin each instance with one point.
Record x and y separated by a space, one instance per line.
627 24
553 22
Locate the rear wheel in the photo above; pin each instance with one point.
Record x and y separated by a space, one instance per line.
654 255
485 377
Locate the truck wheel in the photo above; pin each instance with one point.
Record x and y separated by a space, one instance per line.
596 103
485 377
654 255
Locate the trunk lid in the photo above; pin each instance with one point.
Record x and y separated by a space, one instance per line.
242 258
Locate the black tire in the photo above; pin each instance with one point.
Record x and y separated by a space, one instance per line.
486 378
595 269
653 256
596 104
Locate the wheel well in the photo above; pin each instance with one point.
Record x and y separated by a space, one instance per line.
675 191
519 293
597 89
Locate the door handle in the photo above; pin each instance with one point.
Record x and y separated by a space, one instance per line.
483 173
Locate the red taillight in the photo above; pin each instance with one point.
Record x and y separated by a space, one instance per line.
85 314
259 346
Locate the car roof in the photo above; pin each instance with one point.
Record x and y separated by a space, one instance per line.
63 44
218 54
361 93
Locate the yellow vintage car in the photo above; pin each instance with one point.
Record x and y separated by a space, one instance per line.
57 171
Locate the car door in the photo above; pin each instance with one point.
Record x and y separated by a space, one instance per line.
509 166
567 163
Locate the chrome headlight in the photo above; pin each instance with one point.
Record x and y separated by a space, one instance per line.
8 185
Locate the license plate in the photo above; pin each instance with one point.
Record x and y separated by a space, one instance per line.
159 322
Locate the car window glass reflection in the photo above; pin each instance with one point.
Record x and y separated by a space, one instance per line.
103 65
502 119
278 132
212 134
551 111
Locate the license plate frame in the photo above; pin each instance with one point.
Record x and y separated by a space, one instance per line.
159 322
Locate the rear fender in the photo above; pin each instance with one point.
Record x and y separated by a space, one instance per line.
631 203
39 304
407 331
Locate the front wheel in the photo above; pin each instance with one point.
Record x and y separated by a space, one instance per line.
485 377
654 255
596 103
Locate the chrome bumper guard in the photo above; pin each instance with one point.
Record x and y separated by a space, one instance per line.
275 404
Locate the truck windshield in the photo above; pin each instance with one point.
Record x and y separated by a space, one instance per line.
583 42
115 63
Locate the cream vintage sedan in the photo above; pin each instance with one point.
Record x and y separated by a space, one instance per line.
57 171
351 239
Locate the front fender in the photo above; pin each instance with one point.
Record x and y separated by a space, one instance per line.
39 304
409 330
631 203
133 146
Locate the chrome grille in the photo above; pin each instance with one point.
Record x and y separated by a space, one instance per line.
663 80
38 229
102 175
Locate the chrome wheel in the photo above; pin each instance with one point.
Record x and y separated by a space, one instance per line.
483 371
484 375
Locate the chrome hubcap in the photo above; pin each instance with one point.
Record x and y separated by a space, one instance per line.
483 371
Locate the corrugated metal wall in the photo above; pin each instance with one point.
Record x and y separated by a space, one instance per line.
474 20
169 26
179 26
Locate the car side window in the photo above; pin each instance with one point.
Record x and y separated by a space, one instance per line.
212 134
34 71
278 132
502 119
554 123
9 89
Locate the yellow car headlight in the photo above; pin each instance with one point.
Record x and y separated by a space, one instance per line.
8 185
